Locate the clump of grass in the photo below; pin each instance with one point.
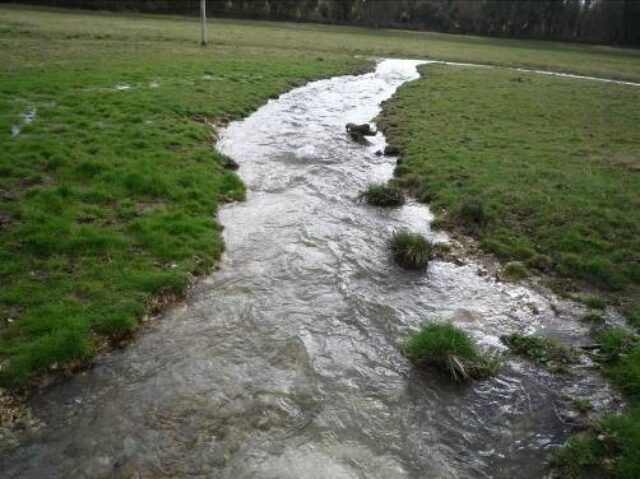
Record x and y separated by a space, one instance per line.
380 194
594 318
516 270
582 405
451 350
615 344
438 223
473 212
594 302
544 352
581 451
410 250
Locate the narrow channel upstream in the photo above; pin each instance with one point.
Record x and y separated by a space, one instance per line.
285 363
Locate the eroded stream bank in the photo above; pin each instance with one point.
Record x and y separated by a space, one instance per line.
285 363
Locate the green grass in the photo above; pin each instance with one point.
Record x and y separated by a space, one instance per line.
609 449
383 194
620 355
610 446
573 58
583 406
594 302
544 352
593 318
410 250
516 270
544 171
472 214
451 350
109 197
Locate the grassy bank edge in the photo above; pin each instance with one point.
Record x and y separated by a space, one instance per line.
400 43
13 395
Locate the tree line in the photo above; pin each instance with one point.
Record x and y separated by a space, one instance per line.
596 21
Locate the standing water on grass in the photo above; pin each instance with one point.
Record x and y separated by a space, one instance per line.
285 363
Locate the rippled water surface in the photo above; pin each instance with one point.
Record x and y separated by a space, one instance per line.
285 364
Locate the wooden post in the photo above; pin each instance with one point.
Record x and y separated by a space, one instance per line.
203 22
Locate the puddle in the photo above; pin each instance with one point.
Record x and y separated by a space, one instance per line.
27 118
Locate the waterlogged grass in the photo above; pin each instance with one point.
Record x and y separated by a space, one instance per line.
609 449
593 318
544 171
583 406
620 355
108 198
544 352
516 270
383 194
410 250
451 350
594 302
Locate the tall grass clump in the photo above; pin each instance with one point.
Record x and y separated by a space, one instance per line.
410 250
472 212
381 194
451 350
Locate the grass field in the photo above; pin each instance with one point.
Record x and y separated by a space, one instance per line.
108 198
546 172
553 164
306 38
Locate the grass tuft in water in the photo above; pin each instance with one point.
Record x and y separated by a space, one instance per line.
410 250
594 302
451 350
545 352
582 406
380 194
594 318
516 271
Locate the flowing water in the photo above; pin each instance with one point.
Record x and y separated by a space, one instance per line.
285 363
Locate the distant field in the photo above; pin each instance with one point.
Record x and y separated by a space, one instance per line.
575 58
109 196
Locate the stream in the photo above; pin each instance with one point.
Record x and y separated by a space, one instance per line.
285 362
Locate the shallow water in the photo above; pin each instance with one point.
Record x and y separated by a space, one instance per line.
284 364
27 118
